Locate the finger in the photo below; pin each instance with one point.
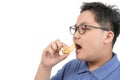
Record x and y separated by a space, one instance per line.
50 51
59 44
54 46
64 45
62 57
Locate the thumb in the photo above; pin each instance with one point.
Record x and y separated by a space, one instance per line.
62 57
65 45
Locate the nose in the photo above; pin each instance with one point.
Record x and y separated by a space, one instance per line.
76 35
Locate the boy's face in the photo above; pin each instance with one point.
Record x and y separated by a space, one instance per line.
89 46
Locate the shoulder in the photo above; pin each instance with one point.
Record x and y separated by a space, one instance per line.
72 66
68 69
74 63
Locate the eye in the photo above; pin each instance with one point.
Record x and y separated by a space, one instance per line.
84 27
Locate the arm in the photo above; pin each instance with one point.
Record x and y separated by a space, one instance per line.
43 73
50 57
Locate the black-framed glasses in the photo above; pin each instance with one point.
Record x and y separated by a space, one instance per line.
83 27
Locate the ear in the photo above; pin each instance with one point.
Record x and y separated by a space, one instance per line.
108 38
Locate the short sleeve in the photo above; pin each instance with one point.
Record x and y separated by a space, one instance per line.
60 74
68 69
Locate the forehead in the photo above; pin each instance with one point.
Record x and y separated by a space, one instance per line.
87 17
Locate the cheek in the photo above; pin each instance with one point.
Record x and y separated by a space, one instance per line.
92 43
91 48
89 42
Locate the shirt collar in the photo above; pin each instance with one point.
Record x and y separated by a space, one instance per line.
83 67
107 68
104 70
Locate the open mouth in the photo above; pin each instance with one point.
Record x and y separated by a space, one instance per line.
78 47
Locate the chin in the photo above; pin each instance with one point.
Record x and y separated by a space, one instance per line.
79 57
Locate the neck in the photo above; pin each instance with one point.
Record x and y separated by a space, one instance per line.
93 65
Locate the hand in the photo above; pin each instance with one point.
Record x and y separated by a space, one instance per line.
51 55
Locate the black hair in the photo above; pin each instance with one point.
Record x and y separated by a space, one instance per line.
105 15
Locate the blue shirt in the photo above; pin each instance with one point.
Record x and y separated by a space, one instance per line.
78 70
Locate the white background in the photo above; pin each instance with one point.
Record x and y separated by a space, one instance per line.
28 26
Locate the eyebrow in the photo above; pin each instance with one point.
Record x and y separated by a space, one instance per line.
83 23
